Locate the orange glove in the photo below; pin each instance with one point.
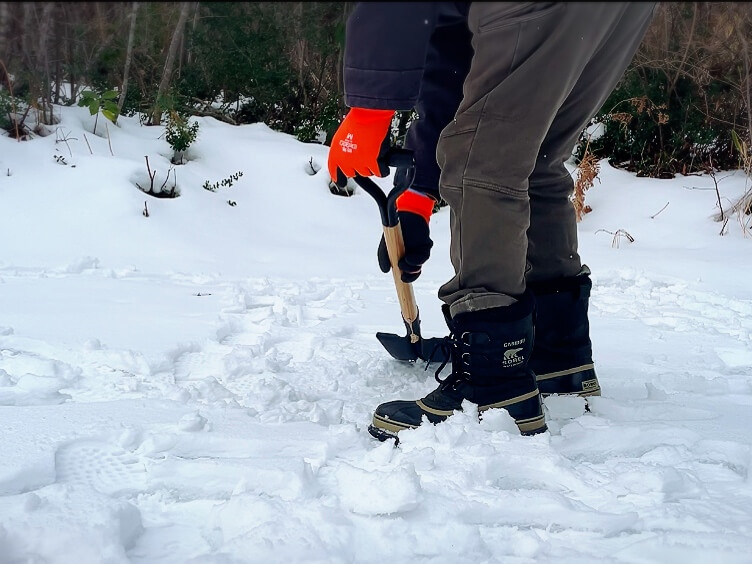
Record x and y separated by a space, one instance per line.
361 140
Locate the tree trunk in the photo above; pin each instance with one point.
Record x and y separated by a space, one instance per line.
164 84
128 58
4 27
184 49
28 23
194 23
71 58
747 87
43 59
100 21
299 49
58 52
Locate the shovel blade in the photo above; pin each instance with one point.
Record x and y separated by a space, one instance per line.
399 347
402 349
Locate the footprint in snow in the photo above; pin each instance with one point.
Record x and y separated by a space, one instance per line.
103 467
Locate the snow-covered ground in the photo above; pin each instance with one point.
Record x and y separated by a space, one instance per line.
195 386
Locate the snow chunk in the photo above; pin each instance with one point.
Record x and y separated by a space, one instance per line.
377 492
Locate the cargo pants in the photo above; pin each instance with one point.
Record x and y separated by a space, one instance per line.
540 72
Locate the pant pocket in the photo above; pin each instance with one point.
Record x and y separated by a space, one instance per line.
453 151
496 15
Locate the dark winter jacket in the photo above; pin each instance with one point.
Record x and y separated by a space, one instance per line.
410 55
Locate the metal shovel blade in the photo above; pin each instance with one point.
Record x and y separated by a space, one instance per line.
399 347
406 349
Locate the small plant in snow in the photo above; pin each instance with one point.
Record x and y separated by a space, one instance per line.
312 167
225 182
617 235
180 134
100 102
13 116
744 205
162 191
62 137
347 191
742 208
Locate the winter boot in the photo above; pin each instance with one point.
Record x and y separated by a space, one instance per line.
489 350
562 358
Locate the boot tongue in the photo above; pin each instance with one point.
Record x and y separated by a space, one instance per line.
447 395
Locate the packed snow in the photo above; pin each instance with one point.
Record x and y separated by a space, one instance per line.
190 379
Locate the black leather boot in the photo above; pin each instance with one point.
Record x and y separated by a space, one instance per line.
489 350
562 358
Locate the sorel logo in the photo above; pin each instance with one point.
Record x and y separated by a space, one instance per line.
512 357
589 385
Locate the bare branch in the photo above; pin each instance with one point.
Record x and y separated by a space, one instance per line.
659 211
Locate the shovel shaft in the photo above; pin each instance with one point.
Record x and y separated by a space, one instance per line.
395 246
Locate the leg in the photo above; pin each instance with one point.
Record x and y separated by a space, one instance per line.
552 237
562 356
528 59
487 155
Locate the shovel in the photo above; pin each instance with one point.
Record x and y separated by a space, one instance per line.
412 346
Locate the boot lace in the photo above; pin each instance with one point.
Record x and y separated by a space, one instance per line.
450 348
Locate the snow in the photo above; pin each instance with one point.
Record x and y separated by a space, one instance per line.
195 386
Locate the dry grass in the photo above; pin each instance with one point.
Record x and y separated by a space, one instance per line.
587 172
742 208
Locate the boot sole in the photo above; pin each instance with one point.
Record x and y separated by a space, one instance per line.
388 425
382 434
383 429
588 394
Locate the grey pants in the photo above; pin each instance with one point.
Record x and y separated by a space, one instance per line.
540 72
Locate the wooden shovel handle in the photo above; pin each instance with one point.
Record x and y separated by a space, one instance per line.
395 246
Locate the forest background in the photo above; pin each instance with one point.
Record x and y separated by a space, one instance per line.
684 105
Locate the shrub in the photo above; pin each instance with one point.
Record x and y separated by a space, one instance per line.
100 101
180 134
13 115
682 96
6 112
245 65
645 134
